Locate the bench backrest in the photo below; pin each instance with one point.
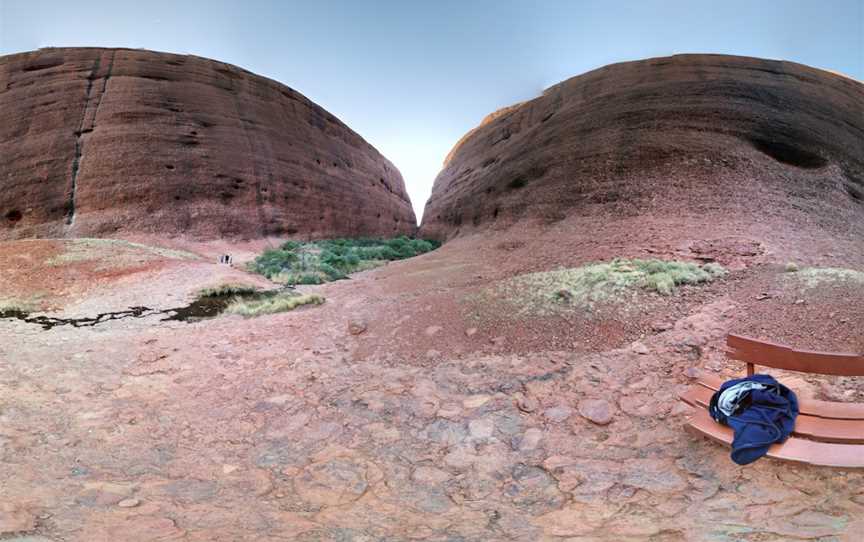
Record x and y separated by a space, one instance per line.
755 352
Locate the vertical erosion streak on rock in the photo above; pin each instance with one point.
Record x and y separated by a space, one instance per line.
253 153
104 88
76 159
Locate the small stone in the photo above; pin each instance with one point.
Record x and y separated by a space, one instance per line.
564 295
356 327
481 428
596 411
15 519
476 401
449 410
128 503
432 330
659 327
799 301
640 348
558 413
471 331
681 408
228 469
531 439
526 403
498 341
692 372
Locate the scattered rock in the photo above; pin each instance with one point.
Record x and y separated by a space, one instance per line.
659 327
692 373
526 402
128 503
356 327
565 296
340 480
471 331
558 414
429 475
432 330
597 411
639 348
531 439
481 428
15 519
476 401
575 520
653 475
641 404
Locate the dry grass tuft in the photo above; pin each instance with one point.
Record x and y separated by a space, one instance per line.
618 281
282 302
812 277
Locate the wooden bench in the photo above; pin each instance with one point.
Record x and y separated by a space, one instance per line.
826 433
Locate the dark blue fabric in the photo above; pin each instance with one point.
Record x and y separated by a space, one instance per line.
763 418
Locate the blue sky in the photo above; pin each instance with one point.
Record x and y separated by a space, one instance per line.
412 77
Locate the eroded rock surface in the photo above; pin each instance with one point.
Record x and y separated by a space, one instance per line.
101 142
701 135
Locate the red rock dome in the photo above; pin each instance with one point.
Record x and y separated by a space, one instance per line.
103 142
689 134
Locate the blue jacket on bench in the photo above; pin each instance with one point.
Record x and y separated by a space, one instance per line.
763 417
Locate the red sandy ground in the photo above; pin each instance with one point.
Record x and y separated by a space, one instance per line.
289 427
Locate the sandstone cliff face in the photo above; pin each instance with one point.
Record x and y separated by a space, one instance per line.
103 142
689 134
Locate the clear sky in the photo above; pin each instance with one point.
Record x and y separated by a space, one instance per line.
412 77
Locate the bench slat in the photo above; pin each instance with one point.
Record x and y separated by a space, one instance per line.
812 427
810 407
794 449
779 356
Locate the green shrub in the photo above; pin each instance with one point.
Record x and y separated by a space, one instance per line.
226 289
315 262
273 262
291 246
662 283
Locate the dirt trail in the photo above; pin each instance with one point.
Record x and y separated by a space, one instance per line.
291 427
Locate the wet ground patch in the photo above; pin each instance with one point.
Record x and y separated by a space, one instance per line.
203 308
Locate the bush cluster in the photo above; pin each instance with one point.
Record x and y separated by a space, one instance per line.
334 259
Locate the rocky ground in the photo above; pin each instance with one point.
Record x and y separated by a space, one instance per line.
393 412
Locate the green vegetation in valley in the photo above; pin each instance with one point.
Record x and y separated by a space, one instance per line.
316 262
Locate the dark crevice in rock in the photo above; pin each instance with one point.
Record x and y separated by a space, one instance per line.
82 130
76 159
